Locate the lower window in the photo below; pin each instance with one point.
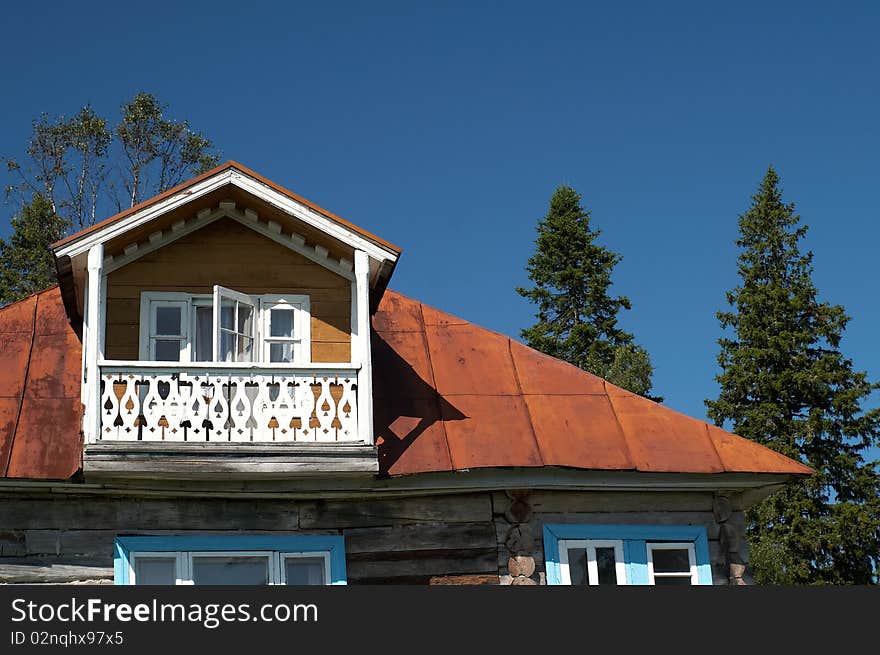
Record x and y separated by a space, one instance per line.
591 555
235 560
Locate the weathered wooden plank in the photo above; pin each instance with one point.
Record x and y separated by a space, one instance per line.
12 543
431 536
52 573
488 578
125 514
476 563
43 542
465 508
705 519
621 501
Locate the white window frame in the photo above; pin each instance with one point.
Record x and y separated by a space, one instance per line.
302 345
300 303
239 298
282 564
184 562
181 574
590 546
672 545
147 333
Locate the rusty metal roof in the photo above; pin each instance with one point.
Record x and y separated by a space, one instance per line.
449 395
40 408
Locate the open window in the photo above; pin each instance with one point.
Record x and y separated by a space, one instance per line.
234 325
225 326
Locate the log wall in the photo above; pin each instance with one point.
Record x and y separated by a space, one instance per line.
471 538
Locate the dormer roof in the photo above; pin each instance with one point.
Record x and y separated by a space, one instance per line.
229 190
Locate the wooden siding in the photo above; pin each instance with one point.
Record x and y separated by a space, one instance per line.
234 256
446 539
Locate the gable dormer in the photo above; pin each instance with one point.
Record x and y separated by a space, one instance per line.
225 329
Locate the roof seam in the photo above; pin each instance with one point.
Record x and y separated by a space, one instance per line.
525 404
436 394
24 384
714 449
629 451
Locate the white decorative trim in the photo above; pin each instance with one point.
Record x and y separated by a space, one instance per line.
178 230
684 545
97 301
302 326
361 335
590 546
290 242
246 183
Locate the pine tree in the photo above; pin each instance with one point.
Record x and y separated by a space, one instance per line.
785 384
576 317
26 262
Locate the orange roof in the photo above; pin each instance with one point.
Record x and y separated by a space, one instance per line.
219 169
40 409
448 396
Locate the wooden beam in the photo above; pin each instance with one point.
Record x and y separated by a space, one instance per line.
361 335
95 347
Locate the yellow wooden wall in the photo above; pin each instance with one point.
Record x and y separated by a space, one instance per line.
232 255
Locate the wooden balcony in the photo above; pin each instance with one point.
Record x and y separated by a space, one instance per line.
207 420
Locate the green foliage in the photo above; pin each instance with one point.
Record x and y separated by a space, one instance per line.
26 262
785 384
84 167
149 139
64 180
576 317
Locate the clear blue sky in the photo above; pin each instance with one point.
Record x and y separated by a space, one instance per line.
445 127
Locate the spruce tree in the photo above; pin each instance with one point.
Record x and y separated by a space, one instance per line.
786 384
26 262
577 316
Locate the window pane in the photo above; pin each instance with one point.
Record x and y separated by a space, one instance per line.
281 352
605 563
227 341
204 337
673 581
168 320
167 350
577 566
245 319
245 349
671 560
227 313
230 570
304 570
154 570
281 323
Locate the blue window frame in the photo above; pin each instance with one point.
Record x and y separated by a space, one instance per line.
638 543
177 553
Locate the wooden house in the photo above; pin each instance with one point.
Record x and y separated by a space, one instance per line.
222 389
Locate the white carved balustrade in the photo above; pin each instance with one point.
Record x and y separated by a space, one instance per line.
182 402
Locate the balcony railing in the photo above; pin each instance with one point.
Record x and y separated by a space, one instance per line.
157 401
